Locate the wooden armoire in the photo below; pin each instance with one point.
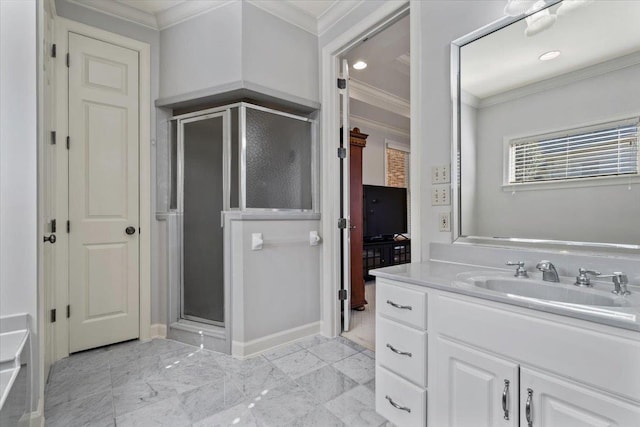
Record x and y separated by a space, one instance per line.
357 142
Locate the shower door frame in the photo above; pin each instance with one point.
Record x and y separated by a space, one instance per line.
225 114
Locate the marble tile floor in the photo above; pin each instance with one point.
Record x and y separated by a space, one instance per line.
313 382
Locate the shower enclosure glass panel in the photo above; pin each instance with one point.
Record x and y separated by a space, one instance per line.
278 158
203 147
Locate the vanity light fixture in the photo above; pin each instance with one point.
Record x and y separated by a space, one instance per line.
360 65
569 6
538 22
548 56
518 7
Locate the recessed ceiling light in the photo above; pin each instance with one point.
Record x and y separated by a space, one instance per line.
360 65
548 56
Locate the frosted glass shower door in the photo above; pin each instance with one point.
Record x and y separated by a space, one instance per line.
202 155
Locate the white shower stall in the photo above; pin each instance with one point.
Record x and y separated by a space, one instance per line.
239 160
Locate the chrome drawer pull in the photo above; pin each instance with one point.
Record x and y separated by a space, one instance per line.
528 408
395 350
403 307
505 393
395 405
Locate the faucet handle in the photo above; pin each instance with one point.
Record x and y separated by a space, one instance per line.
520 271
582 279
620 282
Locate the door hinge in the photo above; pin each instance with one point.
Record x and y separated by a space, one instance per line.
53 225
342 83
342 223
342 153
342 294
68 60
68 311
53 315
53 137
68 226
68 142
53 50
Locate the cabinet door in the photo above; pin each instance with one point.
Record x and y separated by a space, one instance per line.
547 401
471 386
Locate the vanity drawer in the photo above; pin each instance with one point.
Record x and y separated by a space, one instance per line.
402 304
410 399
409 359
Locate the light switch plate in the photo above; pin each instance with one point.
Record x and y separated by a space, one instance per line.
435 175
440 195
445 174
440 174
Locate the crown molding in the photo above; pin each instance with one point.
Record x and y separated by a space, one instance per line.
364 123
335 13
190 9
290 14
119 10
187 10
381 99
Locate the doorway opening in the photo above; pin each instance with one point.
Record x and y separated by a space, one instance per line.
375 190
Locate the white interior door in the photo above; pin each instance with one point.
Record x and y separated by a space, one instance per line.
103 193
48 193
346 201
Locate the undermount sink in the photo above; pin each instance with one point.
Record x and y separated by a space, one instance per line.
563 292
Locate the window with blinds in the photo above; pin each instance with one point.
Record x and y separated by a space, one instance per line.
606 150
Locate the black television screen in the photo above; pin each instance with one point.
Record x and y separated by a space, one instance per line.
384 211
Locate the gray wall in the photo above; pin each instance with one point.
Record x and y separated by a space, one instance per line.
373 153
238 42
18 160
202 52
469 193
441 22
558 213
278 55
277 288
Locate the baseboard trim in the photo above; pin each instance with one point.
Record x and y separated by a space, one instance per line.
36 418
250 348
158 330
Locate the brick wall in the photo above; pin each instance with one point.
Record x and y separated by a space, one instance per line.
397 168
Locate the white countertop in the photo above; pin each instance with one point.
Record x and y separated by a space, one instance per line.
442 276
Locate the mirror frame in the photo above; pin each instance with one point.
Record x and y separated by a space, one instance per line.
456 161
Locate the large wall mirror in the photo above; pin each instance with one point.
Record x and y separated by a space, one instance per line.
546 126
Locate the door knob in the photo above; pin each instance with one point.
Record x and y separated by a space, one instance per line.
51 239
130 230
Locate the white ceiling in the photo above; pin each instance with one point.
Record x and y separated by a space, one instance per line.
507 59
387 58
380 93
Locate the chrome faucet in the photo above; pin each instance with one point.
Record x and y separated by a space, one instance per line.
520 271
582 279
549 272
620 282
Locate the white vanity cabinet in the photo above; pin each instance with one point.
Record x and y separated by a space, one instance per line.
478 389
554 402
489 364
401 353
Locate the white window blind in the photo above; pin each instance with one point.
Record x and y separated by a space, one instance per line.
600 151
